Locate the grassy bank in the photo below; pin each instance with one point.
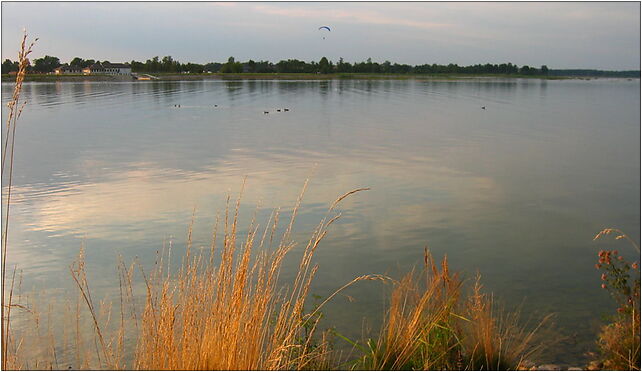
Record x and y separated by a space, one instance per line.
277 76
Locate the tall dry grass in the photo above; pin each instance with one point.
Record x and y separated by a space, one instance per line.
494 339
15 108
431 325
223 310
416 331
232 315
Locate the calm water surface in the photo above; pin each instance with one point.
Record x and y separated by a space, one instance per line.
516 191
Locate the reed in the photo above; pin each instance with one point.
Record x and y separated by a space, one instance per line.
431 325
416 332
15 110
495 339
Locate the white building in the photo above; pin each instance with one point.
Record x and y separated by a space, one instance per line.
117 68
108 69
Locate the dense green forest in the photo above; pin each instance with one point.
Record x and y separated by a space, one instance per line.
167 64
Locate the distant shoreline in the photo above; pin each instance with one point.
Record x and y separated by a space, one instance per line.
292 76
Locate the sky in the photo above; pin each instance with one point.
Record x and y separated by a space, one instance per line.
595 35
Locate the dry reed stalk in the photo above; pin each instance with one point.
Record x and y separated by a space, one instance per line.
494 339
621 235
414 315
429 327
109 348
15 110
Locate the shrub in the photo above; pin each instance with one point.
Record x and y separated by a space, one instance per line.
619 341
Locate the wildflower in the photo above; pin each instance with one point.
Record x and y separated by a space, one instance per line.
604 276
598 266
620 258
603 286
634 265
615 253
620 309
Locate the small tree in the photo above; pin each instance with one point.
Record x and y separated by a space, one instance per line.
324 66
8 66
77 62
386 67
251 66
137 66
212 66
343 66
544 70
527 70
46 64
232 67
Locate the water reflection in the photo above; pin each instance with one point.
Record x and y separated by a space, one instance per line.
517 190
145 194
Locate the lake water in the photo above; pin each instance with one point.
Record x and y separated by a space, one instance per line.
516 191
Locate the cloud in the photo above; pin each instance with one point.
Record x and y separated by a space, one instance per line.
561 35
363 17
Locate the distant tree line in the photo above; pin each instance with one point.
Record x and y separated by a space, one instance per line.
595 73
167 64
45 64
41 65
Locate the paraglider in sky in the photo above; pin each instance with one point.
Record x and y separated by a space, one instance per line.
324 28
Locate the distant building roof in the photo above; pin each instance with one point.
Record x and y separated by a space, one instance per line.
101 66
67 67
116 65
95 67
